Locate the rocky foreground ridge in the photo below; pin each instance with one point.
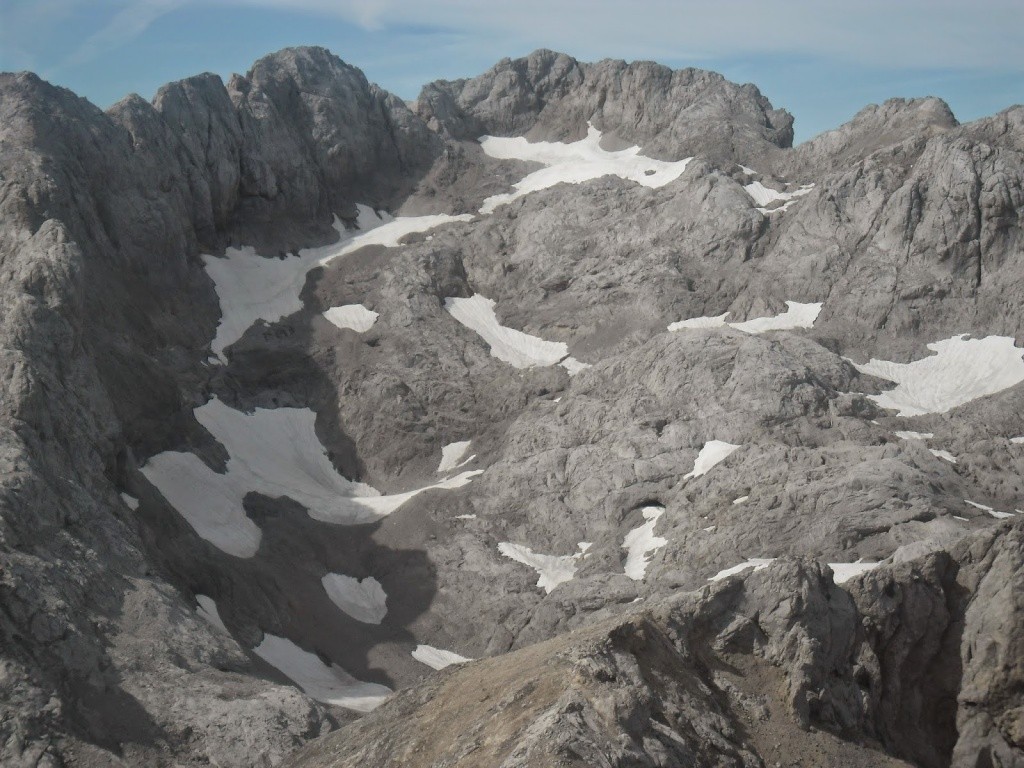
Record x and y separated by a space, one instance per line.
669 443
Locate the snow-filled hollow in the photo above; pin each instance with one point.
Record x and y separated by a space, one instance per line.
326 683
518 349
552 570
961 370
274 452
451 455
641 543
574 163
364 600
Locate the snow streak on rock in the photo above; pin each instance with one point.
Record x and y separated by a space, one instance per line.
641 542
764 196
436 658
757 563
575 163
989 510
518 349
452 454
796 316
711 454
324 682
962 370
364 600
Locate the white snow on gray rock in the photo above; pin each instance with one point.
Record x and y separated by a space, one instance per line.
574 366
641 542
451 455
575 163
518 349
961 370
711 454
326 683
207 611
354 317
908 435
551 569
436 658
757 563
842 572
989 510
797 315
130 501
364 600
764 196
940 454
274 452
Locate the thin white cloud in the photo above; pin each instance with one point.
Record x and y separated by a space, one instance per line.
130 21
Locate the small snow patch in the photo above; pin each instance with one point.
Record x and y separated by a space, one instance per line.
641 542
961 370
465 517
764 196
711 454
757 563
451 454
796 316
717 321
436 658
516 348
552 569
993 512
364 600
354 317
845 571
907 435
1017 440
574 366
207 610
574 163
130 501
740 500
943 455
326 683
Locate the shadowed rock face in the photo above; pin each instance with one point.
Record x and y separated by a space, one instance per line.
911 234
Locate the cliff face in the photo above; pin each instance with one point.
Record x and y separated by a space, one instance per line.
185 417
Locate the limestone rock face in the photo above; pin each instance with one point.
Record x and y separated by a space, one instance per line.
646 480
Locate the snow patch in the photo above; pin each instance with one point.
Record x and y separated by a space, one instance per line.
364 600
962 370
711 454
641 542
907 435
326 683
436 658
1017 440
993 512
274 452
764 196
796 316
574 163
354 317
552 569
845 571
943 455
740 500
574 366
130 501
207 611
451 454
518 349
757 563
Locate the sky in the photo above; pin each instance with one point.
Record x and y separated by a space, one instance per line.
822 60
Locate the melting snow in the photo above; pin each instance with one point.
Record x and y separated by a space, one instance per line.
962 370
756 563
516 348
552 569
452 453
274 452
130 501
764 196
251 287
796 316
364 600
994 512
575 163
711 454
914 435
641 542
208 610
845 571
943 455
437 658
355 317
740 500
323 682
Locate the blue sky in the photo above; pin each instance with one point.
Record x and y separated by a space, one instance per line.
821 60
